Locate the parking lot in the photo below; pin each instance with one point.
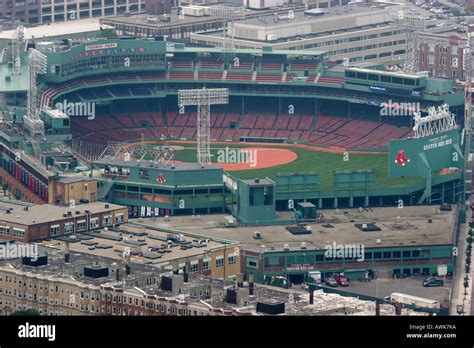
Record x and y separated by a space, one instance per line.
410 286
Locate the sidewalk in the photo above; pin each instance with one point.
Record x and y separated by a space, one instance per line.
458 281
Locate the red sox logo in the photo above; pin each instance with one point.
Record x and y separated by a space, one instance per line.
161 179
401 159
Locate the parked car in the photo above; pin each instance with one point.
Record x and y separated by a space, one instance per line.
331 282
342 281
429 282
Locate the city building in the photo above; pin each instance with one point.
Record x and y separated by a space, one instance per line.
409 241
441 55
97 286
48 11
160 247
350 33
32 223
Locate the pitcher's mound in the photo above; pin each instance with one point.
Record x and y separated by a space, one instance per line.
257 158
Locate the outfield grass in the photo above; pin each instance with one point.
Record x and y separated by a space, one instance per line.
311 161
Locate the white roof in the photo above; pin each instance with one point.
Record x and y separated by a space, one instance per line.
59 29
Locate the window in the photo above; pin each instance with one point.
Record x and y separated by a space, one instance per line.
377 255
396 254
81 225
5 230
415 253
19 232
118 218
68 227
407 253
232 260
54 230
94 223
219 262
252 263
107 220
387 255
205 265
194 268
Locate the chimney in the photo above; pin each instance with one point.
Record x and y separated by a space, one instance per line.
127 264
185 273
66 253
250 283
311 295
117 274
377 308
240 280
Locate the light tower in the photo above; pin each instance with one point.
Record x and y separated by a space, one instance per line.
227 14
203 98
17 38
37 63
411 23
467 68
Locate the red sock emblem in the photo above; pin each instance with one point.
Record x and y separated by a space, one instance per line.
401 159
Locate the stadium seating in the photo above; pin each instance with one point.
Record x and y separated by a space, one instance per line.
210 75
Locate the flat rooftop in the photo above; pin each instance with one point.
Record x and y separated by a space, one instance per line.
58 29
45 213
303 17
142 19
412 229
156 240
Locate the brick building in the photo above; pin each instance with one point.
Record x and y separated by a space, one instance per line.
441 55
31 223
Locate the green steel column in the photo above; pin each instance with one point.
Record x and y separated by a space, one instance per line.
366 201
351 202
335 203
442 193
320 203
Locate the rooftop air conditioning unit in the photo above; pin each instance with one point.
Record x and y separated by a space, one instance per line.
272 37
286 247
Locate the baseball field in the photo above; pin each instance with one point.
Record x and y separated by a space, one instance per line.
268 160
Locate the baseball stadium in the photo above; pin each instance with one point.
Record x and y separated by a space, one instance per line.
292 127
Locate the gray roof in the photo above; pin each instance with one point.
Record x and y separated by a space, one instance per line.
49 213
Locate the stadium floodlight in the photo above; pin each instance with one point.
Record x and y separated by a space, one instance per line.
227 14
411 23
203 98
37 64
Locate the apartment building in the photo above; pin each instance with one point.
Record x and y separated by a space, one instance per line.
442 55
52 11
